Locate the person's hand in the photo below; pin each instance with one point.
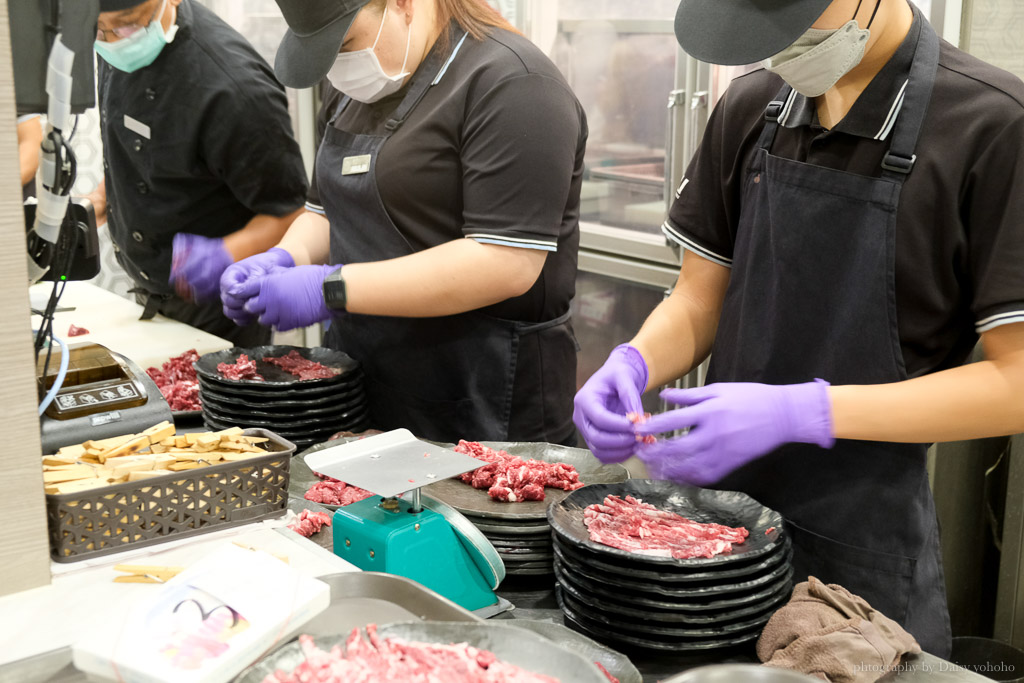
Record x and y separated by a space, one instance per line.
197 264
600 407
241 281
732 424
291 297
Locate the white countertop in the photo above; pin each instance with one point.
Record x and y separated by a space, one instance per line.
113 321
46 621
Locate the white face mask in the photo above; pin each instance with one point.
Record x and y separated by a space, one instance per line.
820 57
360 75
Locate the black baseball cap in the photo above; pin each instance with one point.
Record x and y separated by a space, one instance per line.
743 31
118 5
316 30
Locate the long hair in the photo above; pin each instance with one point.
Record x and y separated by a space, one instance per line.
476 17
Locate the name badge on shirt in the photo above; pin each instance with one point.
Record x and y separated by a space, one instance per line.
356 165
136 126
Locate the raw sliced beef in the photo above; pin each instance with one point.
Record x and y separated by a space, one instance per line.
76 331
308 523
639 419
302 368
396 659
242 368
332 491
641 528
178 382
510 479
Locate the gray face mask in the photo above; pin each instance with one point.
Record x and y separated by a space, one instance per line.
820 57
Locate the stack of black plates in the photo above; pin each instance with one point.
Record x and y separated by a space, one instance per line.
647 603
520 531
303 411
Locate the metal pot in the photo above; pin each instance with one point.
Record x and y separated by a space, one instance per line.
740 673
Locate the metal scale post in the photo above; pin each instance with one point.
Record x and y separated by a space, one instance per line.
410 535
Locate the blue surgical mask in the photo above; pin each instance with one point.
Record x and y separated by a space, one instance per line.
139 49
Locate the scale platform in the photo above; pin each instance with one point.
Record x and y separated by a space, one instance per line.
413 536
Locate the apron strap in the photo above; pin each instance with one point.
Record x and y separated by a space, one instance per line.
772 114
426 76
899 160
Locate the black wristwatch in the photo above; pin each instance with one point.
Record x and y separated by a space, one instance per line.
334 291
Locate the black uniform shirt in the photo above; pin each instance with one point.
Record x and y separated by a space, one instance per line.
199 141
493 152
960 223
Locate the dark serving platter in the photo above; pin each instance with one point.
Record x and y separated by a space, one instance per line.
648 627
730 508
285 392
274 376
603 634
286 421
719 603
332 404
475 503
674 591
756 610
666 574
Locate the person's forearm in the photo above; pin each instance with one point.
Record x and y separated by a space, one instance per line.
30 137
458 276
308 239
677 336
973 401
262 232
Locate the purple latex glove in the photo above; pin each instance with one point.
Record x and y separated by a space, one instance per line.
241 281
292 297
603 402
197 264
732 424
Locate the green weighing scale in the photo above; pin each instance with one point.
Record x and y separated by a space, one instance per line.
410 535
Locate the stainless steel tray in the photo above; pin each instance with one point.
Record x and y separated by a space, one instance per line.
361 598
520 647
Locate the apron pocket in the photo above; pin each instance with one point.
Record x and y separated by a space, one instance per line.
883 579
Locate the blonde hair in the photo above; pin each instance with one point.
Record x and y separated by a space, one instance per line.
476 17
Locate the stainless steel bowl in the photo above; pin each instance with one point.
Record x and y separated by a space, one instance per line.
740 673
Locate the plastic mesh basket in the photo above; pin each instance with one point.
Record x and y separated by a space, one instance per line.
130 515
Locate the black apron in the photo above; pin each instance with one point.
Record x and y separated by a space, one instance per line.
448 378
812 294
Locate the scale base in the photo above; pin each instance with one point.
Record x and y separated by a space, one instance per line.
419 546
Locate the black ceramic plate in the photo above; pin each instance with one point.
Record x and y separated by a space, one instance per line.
603 634
540 544
625 596
691 619
678 591
292 392
235 411
310 424
511 528
306 437
540 571
701 505
649 627
329 403
477 503
576 555
275 377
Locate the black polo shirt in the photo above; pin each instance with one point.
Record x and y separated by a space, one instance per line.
199 141
960 223
493 152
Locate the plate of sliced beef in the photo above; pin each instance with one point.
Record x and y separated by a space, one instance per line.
276 366
424 651
649 522
519 481
178 383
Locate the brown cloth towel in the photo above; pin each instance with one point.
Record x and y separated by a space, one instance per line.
832 634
